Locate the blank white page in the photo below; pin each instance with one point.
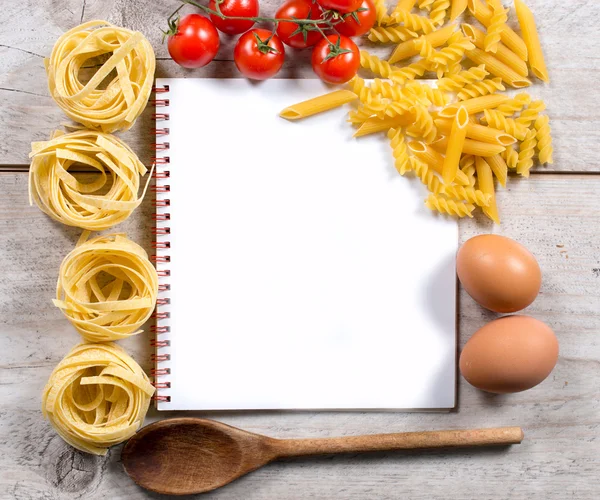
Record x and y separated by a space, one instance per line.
305 272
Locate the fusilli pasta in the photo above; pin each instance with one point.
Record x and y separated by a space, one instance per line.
510 126
544 139
400 151
494 30
472 195
489 86
447 206
456 82
526 152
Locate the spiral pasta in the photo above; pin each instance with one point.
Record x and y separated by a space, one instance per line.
380 11
96 397
496 26
399 150
414 22
438 11
454 83
107 287
447 206
389 34
411 71
530 114
485 87
510 126
470 194
526 151
376 65
511 157
515 105
434 96
397 108
454 52
424 124
544 139
425 4
426 175
364 93
117 106
388 90
62 197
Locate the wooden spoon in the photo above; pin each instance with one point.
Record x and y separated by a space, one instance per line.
183 456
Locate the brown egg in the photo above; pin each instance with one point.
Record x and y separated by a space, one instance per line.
510 354
499 273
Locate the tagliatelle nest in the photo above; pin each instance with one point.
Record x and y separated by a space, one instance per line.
117 106
107 287
96 397
97 205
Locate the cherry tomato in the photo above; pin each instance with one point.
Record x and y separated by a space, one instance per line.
195 43
366 19
234 8
335 60
340 5
259 54
297 35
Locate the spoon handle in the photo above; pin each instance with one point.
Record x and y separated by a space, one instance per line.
399 441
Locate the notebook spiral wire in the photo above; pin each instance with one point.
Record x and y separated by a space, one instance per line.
161 245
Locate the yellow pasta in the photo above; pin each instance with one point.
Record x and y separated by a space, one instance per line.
494 29
453 52
425 4
503 53
433 96
469 171
478 132
376 65
526 152
319 104
413 22
499 168
424 123
365 94
456 82
374 124
532 41
510 126
485 87
97 205
107 287
513 41
511 157
405 5
498 68
434 159
456 141
485 180
458 7
389 34
448 206
409 48
469 194
400 151
118 105
438 11
380 10
544 139
360 115
96 397
514 105
529 115
411 71
388 90
474 106
426 175
471 147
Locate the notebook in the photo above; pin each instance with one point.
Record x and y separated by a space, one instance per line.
298 269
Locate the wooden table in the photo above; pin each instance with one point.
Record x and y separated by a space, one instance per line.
555 213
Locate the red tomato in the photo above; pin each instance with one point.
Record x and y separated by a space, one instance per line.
297 35
340 5
366 19
234 8
196 42
335 60
259 54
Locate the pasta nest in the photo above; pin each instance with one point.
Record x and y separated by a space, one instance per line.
107 287
96 397
117 106
61 196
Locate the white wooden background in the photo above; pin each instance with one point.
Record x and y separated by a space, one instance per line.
555 213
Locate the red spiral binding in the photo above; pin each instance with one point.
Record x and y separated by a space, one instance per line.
162 167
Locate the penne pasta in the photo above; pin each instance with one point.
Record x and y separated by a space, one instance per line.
471 147
434 159
503 53
532 41
319 104
456 141
478 132
485 181
458 7
410 48
499 168
474 106
497 68
483 14
374 124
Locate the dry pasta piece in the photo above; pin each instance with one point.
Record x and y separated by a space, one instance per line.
469 171
117 106
494 29
425 4
510 126
485 87
426 175
90 205
472 195
389 90
474 106
434 159
448 206
409 48
499 168
458 7
453 69
380 10
426 50
515 105
411 71
375 124
318 104
503 53
511 157
498 68
424 123
530 115
456 82
413 22
405 5
96 397
434 96
454 52
544 139
471 147
485 180
513 41
376 65
478 132
360 115
364 93
526 152
439 10
400 151
456 141
107 287
391 34
532 41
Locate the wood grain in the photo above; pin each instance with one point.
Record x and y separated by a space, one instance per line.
555 216
568 31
